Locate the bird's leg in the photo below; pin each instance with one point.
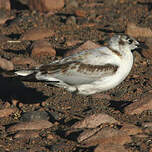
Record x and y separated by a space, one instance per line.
74 93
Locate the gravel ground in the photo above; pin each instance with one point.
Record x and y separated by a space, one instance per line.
54 110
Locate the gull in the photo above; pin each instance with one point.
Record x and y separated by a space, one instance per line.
90 71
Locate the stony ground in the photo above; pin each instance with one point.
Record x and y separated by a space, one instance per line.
36 117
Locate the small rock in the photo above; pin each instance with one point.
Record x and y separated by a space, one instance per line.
34 116
86 134
37 34
27 134
110 148
24 61
111 3
7 104
150 150
50 136
42 48
34 125
145 103
6 65
7 111
108 136
71 20
73 43
136 31
80 13
45 5
94 121
131 129
5 4
72 4
5 15
86 46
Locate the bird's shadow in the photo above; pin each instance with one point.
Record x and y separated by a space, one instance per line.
15 89
119 105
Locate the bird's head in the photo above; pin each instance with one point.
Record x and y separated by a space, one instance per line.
123 42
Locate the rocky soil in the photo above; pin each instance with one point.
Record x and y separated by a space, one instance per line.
36 117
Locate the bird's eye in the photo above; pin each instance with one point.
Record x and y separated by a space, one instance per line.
130 41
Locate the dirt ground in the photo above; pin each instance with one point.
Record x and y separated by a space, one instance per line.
100 21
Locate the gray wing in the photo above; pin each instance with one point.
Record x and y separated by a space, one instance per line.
78 69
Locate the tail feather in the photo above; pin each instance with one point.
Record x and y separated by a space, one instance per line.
24 72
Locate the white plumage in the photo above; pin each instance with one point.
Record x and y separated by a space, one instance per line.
90 71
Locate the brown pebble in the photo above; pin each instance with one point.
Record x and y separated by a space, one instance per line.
108 136
131 129
136 31
24 61
144 103
42 48
34 125
80 13
37 34
73 43
7 111
7 104
94 121
45 5
86 134
26 134
5 4
6 65
86 46
110 148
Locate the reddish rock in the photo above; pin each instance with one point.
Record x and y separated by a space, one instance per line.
26 134
37 34
86 46
73 43
87 133
136 31
131 129
33 125
94 121
24 61
108 136
5 4
5 15
42 48
80 13
145 103
45 5
7 111
110 148
6 65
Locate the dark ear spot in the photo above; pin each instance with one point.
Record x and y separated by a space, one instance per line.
121 42
130 41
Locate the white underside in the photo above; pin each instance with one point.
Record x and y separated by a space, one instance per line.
107 82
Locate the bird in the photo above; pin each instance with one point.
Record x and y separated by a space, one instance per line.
89 71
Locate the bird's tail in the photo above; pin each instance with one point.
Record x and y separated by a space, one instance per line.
24 73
